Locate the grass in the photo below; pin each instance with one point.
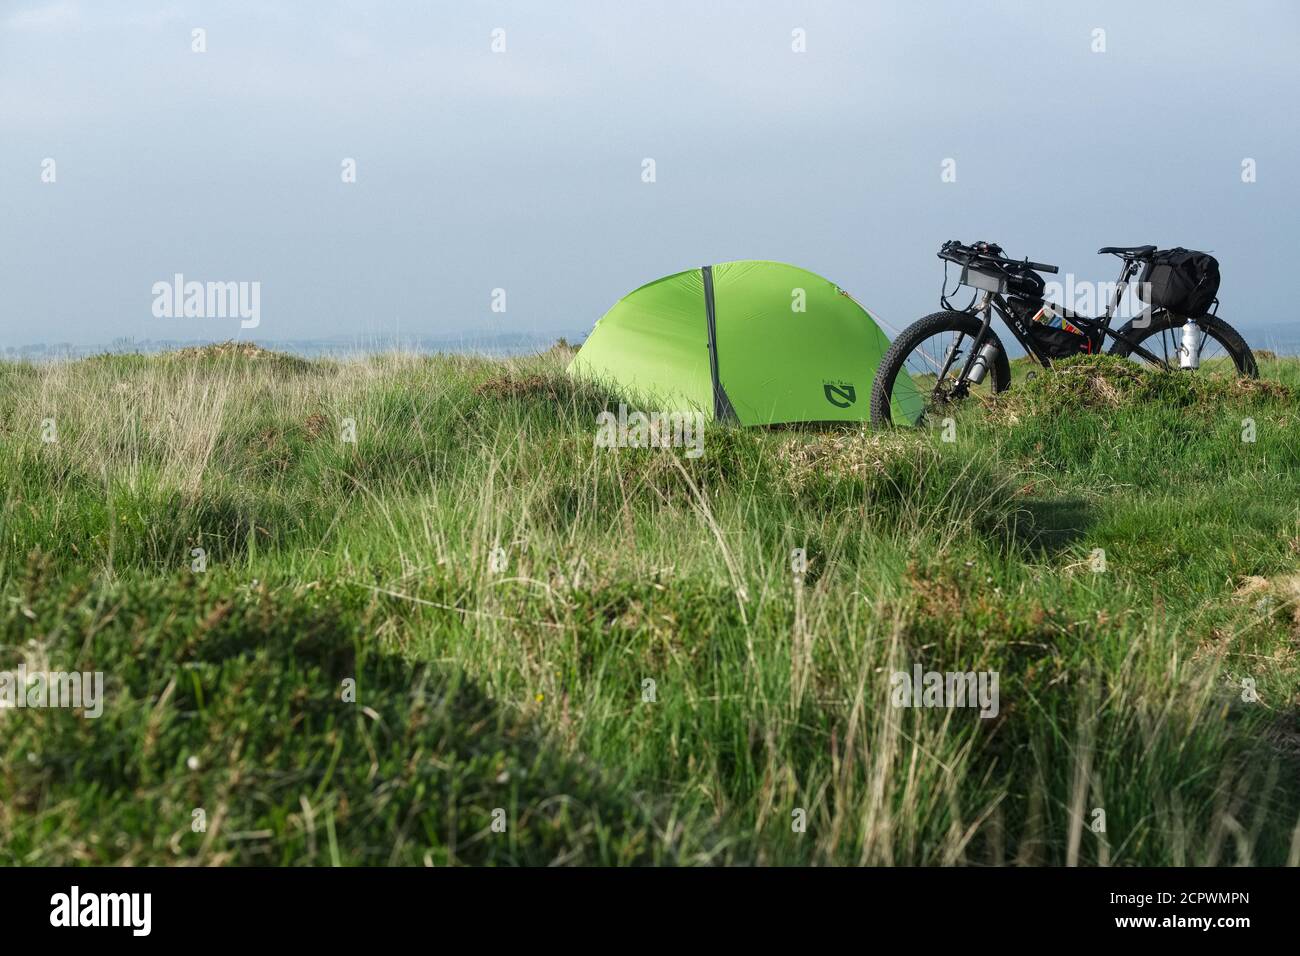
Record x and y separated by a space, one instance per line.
473 637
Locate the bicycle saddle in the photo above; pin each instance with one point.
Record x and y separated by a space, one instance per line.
1128 252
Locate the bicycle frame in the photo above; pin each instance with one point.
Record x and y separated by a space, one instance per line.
988 302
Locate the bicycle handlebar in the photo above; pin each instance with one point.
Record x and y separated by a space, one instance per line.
991 253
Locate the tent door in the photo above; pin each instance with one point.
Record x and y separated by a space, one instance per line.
722 410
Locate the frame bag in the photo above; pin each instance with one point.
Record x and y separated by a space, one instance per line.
1058 340
1181 281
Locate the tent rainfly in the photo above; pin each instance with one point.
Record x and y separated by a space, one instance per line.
752 342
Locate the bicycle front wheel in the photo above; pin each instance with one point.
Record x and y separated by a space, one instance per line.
908 389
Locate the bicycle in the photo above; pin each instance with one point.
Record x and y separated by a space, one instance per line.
967 345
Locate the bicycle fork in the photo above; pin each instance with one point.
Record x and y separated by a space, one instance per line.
979 361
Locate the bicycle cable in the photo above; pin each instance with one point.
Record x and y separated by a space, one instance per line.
944 293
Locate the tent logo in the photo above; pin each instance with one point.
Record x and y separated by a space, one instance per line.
840 394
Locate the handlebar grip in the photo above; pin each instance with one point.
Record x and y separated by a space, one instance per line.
1042 267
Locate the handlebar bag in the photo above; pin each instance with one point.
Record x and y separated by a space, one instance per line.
1181 281
1026 283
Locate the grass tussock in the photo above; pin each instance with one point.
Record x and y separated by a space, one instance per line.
632 655
1101 382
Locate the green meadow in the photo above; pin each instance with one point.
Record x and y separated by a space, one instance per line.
405 611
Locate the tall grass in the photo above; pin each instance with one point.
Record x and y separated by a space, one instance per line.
610 645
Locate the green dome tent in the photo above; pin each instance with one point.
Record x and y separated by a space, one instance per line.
754 342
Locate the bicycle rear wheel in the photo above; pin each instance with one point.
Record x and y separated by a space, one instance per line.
907 390
1222 347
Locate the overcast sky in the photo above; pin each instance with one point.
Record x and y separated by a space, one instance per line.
523 170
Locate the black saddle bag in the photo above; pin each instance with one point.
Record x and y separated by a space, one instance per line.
1181 281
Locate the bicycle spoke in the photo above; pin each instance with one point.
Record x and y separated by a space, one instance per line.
1212 350
925 365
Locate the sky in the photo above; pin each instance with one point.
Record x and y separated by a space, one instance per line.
524 170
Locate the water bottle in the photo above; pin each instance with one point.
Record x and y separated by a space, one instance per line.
983 361
1189 356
